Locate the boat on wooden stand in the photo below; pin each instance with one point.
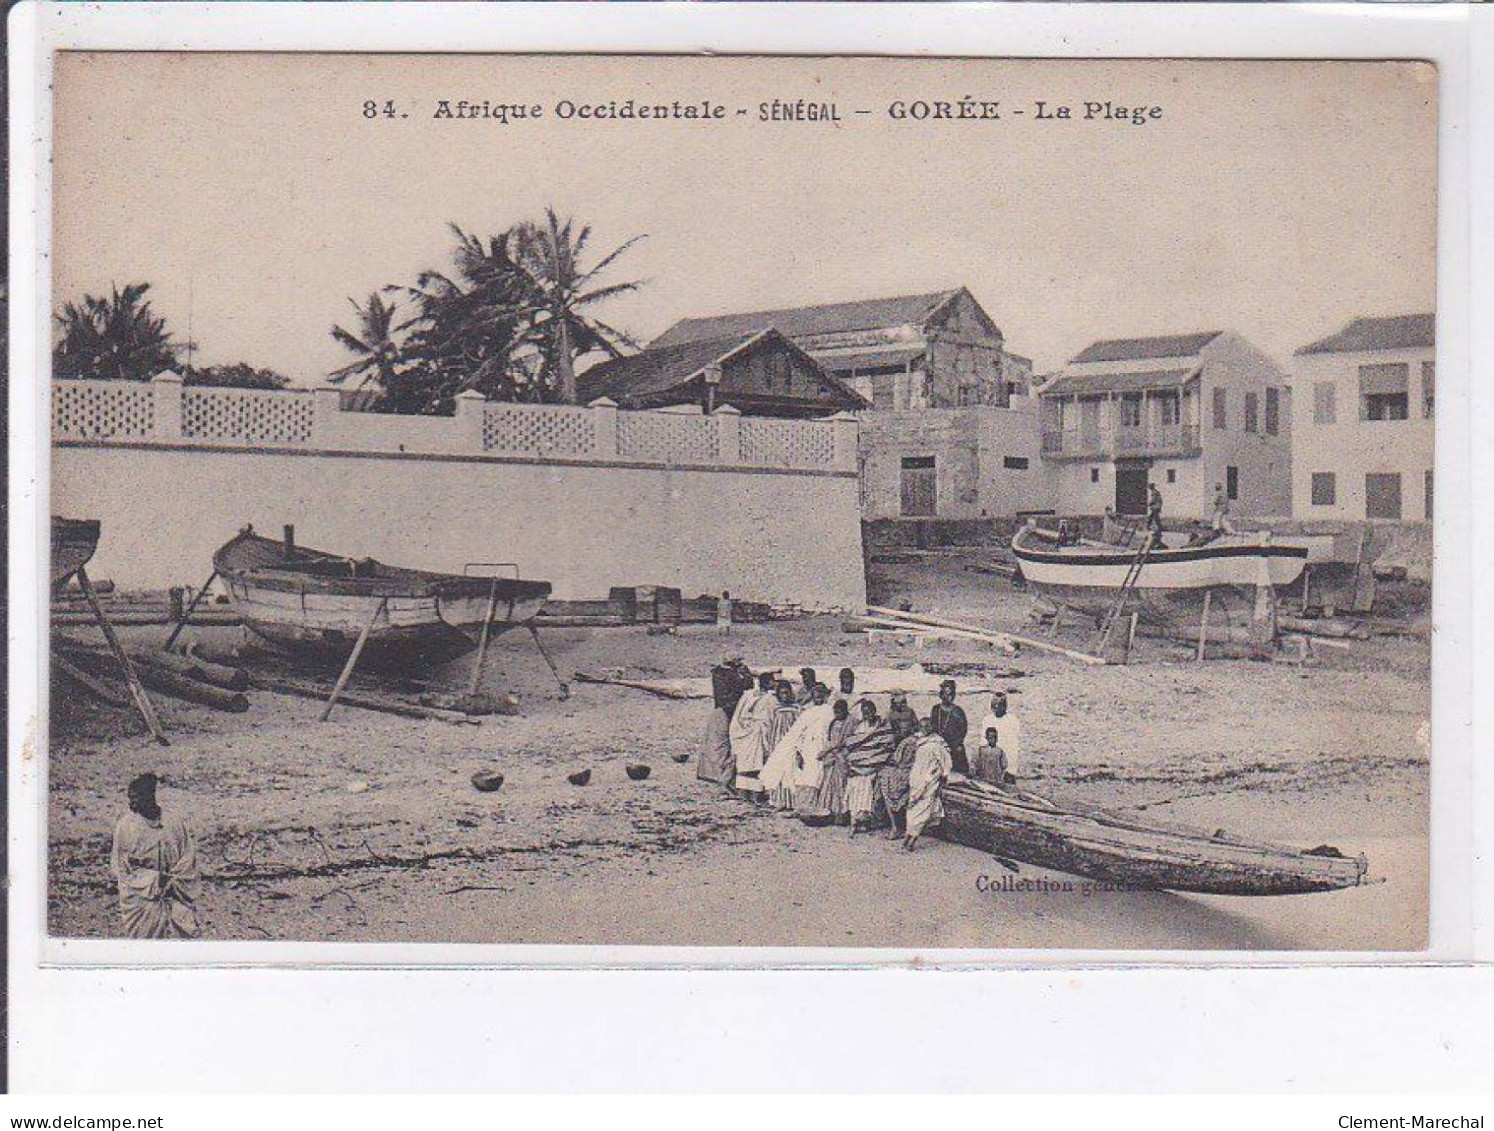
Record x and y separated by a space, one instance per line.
74 542
318 604
1108 847
1172 579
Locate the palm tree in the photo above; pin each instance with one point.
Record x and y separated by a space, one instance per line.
372 342
117 338
550 256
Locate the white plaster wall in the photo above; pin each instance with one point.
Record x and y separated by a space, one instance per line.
778 537
1352 448
1265 462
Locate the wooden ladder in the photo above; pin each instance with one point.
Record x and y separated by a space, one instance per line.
1127 590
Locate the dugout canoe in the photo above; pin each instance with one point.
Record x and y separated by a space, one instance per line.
315 604
1171 584
1097 844
74 541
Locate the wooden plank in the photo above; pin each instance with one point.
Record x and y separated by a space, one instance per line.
1000 637
1203 625
280 685
482 641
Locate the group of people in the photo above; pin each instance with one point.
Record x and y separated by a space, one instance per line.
835 759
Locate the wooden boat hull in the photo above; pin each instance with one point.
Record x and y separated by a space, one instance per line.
74 542
1172 582
1110 848
317 604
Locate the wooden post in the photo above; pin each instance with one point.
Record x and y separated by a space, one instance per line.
191 608
347 668
1203 625
1131 635
482 639
137 690
565 689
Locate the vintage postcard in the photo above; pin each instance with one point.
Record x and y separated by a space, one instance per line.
737 502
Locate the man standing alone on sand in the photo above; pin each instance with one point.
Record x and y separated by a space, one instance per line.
154 862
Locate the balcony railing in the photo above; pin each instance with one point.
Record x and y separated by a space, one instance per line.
1170 439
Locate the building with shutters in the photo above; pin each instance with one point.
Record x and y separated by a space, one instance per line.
1362 440
1184 411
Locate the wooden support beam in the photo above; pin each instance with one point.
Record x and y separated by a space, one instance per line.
1203 625
347 668
482 639
78 675
192 608
137 690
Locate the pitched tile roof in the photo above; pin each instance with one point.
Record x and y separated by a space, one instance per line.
1135 349
654 370
807 321
1403 331
1068 384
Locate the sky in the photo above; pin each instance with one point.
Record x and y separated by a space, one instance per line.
1278 199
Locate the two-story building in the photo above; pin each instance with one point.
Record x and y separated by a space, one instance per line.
1362 440
939 350
1185 412
949 429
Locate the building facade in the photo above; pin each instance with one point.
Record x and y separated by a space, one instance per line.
939 350
1362 439
759 373
960 463
1183 412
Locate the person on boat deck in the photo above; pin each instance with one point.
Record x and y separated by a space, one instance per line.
1009 731
1220 520
154 861
749 724
792 774
730 681
805 692
1154 514
900 715
865 751
828 804
926 780
847 683
990 761
951 725
892 778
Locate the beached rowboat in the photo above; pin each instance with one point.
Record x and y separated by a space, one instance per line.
74 541
1173 579
316 603
1109 847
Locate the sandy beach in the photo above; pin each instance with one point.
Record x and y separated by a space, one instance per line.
366 828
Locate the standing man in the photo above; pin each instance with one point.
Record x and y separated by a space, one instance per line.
154 862
1154 514
1221 522
749 722
847 684
730 680
951 725
1008 729
807 680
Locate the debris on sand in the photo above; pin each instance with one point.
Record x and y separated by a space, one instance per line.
487 781
580 777
638 771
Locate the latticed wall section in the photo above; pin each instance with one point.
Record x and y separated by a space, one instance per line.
103 410
787 443
660 437
536 430
247 416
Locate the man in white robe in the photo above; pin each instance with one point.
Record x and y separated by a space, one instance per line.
154 861
795 761
748 731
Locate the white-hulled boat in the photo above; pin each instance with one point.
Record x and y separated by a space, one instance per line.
312 602
1173 578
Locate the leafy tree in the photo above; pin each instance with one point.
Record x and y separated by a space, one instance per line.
562 290
240 375
118 338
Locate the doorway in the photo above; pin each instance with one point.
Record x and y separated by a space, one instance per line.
1130 489
920 487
